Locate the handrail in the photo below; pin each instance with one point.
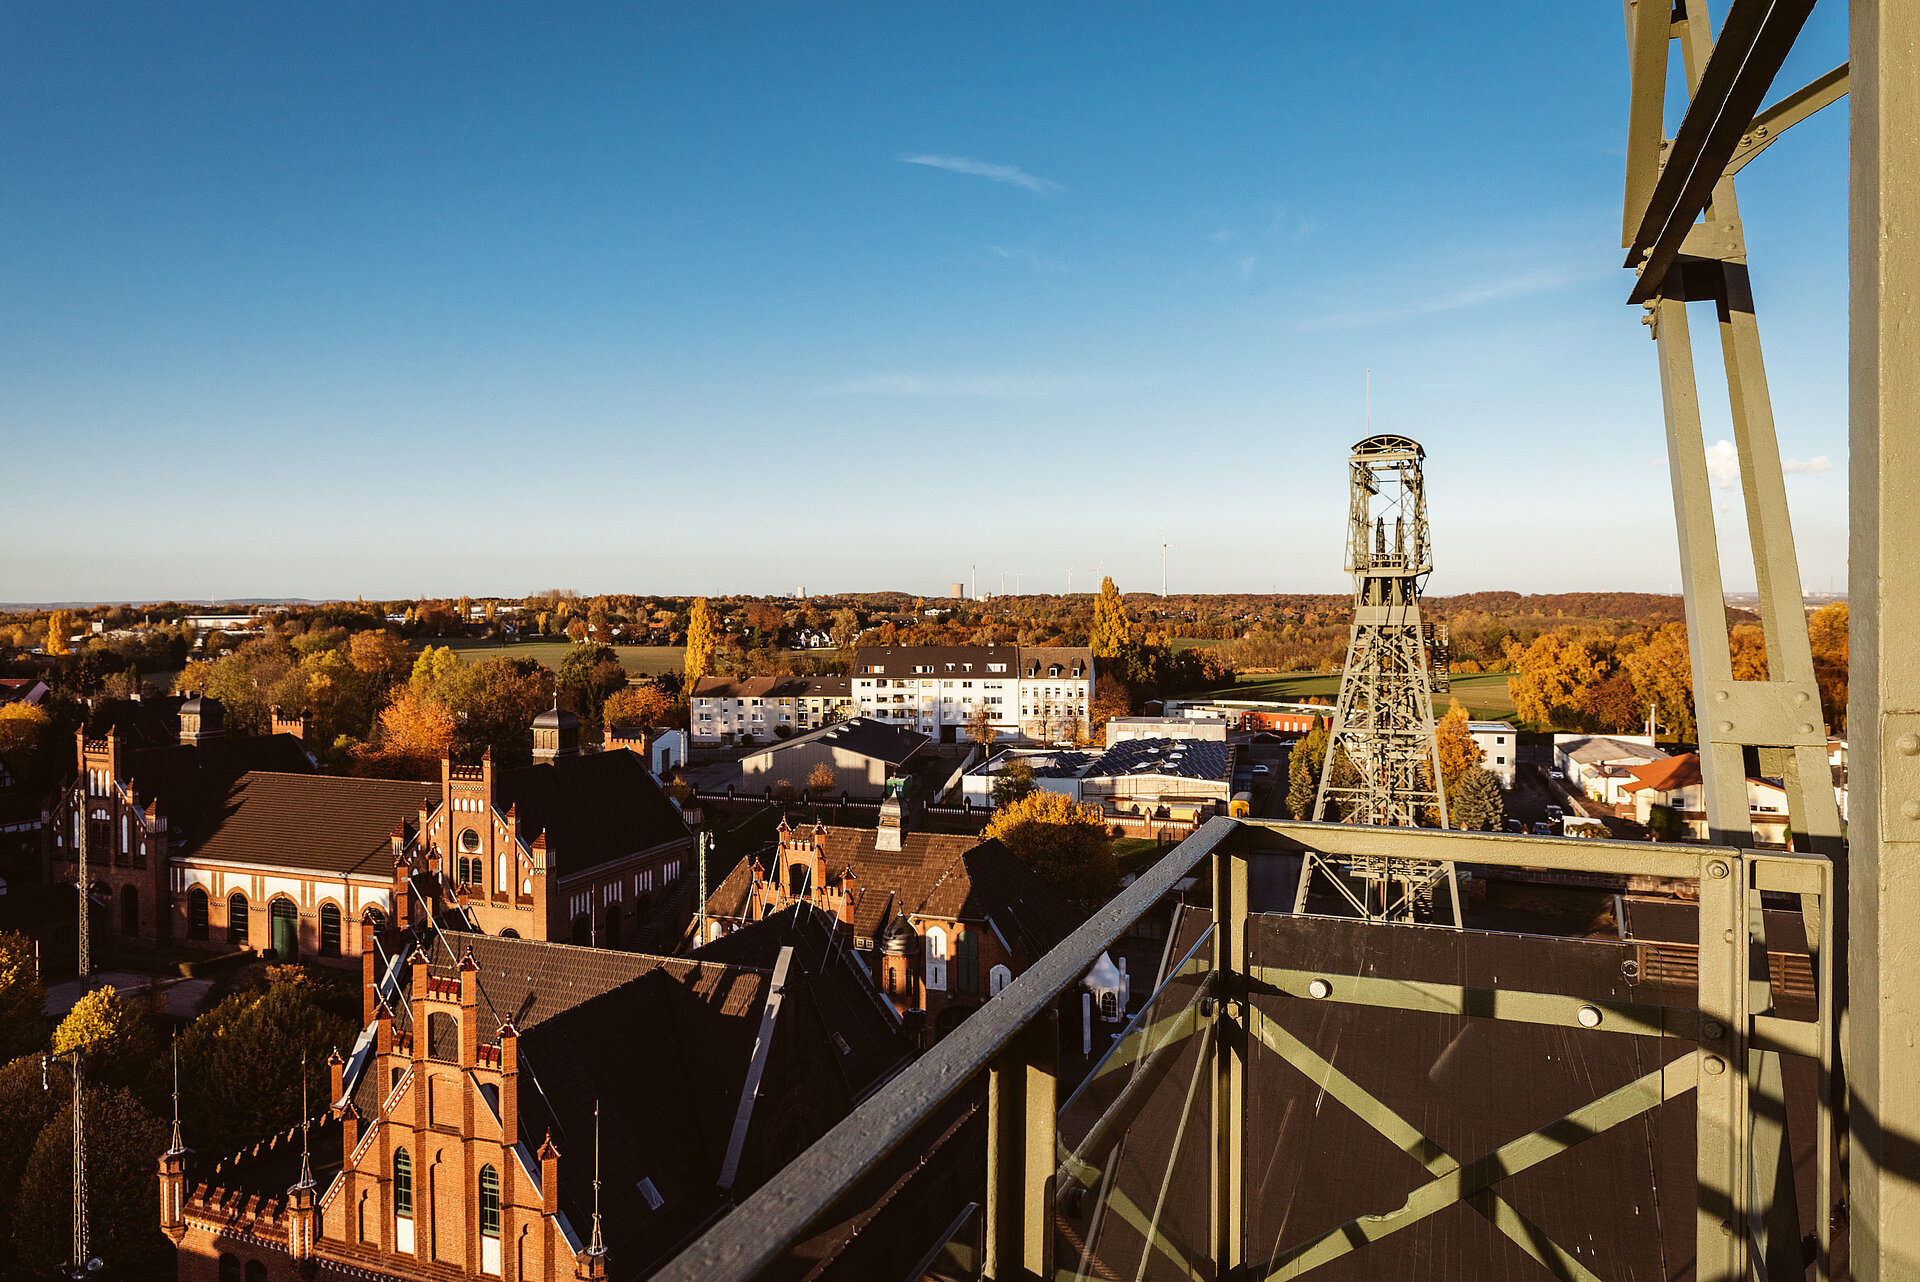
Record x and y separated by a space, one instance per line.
761 1228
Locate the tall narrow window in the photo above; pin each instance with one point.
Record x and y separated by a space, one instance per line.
966 961
229 1268
936 959
237 919
196 913
329 930
402 1184
489 1202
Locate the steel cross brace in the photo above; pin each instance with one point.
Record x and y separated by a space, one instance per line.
1455 1181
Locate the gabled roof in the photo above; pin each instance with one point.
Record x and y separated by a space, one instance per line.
943 875
865 736
1600 747
1667 775
593 808
323 823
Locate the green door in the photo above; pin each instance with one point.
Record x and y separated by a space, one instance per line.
286 929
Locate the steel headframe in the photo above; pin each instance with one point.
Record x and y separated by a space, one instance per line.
1669 184
1383 757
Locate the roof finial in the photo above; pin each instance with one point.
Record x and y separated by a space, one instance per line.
177 1146
306 1167
595 1246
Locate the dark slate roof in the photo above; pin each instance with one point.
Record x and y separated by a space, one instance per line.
861 1025
1186 758
946 875
271 1166
592 808
901 660
324 823
866 736
1035 660
188 780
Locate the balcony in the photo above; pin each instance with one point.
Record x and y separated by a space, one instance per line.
1304 1095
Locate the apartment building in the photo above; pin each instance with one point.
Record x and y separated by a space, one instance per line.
1041 693
739 709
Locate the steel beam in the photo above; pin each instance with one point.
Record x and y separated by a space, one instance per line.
1883 714
1788 112
1228 1113
1753 42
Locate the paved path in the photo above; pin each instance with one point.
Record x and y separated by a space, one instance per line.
184 997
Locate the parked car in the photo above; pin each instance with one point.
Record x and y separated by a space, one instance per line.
1543 830
1556 774
1268 736
1556 814
1259 770
1516 825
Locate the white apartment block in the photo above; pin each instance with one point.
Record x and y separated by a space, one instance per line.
1499 748
1039 693
734 710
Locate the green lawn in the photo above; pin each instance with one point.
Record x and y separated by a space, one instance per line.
1177 644
1137 854
1484 693
638 660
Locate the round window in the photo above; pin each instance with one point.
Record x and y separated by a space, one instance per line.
469 840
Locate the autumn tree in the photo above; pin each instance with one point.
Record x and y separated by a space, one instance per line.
240 1062
1014 781
590 674
124 1143
413 735
1304 764
1476 803
1111 699
980 727
58 628
1827 631
821 781
117 1037
1111 628
846 628
26 744
30 1096
1551 676
646 705
701 640
23 1027
380 656
1662 673
1063 841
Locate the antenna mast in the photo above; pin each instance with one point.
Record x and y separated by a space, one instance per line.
595 1245
700 904
80 853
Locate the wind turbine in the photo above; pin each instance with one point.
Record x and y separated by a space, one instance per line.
1164 545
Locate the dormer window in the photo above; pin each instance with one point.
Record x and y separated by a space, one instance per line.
1054 671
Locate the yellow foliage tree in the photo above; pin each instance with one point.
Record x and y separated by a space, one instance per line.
1827 630
700 641
636 706
1459 754
58 626
434 664
412 737
100 1018
1111 627
821 781
1063 841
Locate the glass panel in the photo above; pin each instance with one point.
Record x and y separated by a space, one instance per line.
1134 1136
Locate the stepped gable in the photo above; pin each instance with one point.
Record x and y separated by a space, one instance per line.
592 808
327 823
945 875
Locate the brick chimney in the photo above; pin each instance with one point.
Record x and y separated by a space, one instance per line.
549 1177
469 1009
509 1038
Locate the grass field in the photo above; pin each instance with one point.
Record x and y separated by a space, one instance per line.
638 660
1484 693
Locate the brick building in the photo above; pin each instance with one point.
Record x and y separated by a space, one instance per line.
941 922
234 841
462 1134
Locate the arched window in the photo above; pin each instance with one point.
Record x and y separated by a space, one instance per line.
489 1202
196 913
936 959
509 933
443 1037
402 1184
284 919
966 961
329 930
892 987
129 910
373 919
229 1268
256 1271
998 978
237 920
1109 1005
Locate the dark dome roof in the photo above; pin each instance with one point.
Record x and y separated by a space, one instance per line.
900 939
198 704
556 718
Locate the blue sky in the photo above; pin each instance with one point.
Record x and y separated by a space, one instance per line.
338 299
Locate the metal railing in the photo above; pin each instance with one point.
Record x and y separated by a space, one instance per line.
1163 1162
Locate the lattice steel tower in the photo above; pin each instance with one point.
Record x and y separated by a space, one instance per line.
1383 729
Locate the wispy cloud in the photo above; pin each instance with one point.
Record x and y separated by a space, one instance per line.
1010 174
1028 257
1247 265
992 386
1818 463
1492 291
1723 464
